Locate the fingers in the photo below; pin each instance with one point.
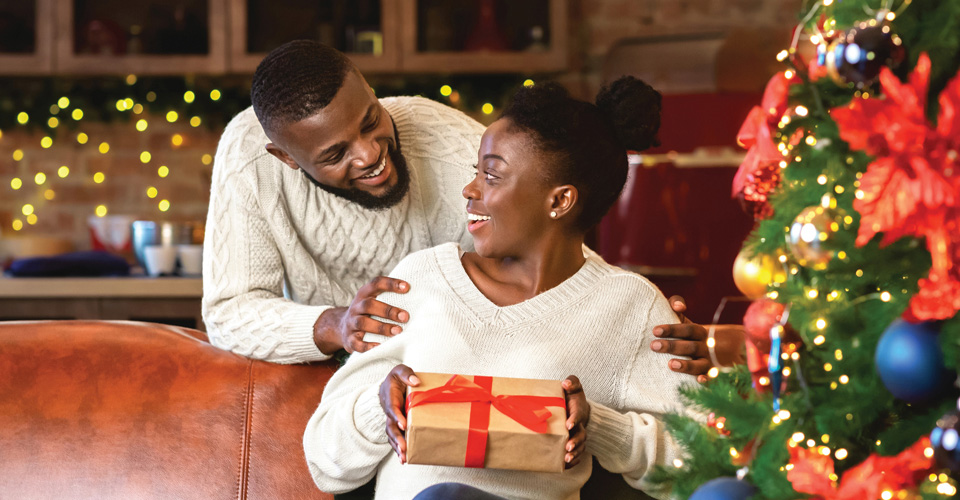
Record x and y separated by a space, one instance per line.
694 349
382 284
691 366
364 324
397 441
679 306
578 415
392 396
373 307
688 331
575 446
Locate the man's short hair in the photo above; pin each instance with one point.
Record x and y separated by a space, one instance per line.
296 80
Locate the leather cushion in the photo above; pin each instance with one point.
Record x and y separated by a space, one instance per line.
97 409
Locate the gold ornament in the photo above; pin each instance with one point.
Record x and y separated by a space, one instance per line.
753 274
811 235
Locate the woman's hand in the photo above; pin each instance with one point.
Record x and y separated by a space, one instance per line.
393 392
578 415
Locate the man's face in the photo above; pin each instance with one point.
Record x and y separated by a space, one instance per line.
348 148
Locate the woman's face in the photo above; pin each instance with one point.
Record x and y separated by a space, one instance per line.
508 201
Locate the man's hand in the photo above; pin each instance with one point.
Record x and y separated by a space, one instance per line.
393 391
578 416
344 327
690 339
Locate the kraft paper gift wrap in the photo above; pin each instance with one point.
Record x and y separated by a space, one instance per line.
490 422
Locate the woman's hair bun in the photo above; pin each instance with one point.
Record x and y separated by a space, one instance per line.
633 109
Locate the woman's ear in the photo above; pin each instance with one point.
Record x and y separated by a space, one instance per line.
563 199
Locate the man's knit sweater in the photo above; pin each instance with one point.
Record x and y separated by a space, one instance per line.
597 325
279 251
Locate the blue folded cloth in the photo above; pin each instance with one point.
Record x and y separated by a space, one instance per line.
70 264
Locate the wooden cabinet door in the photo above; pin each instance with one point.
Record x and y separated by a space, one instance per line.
371 41
145 37
438 36
26 37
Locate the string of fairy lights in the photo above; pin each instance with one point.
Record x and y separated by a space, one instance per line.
63 110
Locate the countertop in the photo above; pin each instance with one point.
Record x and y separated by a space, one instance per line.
126 287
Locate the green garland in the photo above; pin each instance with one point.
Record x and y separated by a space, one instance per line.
214 99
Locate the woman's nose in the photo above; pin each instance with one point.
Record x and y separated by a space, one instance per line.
470 191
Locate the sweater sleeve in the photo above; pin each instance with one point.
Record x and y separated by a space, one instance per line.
345 441
632 441
244 309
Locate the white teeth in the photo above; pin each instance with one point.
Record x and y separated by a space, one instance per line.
383 165
475 217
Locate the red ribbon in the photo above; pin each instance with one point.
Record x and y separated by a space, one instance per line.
528 411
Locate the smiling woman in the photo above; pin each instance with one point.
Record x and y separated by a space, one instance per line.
527 304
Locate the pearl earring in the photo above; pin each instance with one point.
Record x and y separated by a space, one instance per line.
553 214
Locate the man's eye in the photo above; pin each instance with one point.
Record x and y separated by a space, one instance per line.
335 158
372 125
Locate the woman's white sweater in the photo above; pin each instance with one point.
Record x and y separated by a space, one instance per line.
597 325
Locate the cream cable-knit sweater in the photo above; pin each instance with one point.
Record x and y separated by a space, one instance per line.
597 325
279 251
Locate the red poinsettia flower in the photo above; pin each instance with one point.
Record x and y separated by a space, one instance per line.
811 473
912 188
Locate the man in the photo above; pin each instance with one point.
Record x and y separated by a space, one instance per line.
318 191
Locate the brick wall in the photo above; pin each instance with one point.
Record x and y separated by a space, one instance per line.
595 26
126 179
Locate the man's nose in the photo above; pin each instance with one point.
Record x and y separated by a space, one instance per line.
368 153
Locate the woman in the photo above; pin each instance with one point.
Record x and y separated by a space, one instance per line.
527 304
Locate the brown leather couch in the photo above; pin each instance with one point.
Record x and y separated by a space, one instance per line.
97 409
129 410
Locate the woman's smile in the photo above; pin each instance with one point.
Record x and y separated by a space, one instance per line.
476 221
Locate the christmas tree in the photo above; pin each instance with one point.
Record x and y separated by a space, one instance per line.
853 338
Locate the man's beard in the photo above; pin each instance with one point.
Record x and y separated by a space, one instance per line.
367 200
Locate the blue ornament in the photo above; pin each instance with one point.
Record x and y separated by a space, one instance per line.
910 362
724 488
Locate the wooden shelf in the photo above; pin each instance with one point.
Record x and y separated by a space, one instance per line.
128 287
172 300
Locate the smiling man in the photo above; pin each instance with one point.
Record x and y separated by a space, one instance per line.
319 190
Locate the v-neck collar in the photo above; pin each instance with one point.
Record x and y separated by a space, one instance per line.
484 310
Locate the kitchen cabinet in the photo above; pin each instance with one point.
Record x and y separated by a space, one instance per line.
176 37
26 37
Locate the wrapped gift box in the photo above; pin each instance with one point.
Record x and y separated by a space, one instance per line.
490 422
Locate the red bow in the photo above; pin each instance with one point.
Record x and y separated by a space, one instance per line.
528 411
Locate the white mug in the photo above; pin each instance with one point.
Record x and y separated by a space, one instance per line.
160 259
191 259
